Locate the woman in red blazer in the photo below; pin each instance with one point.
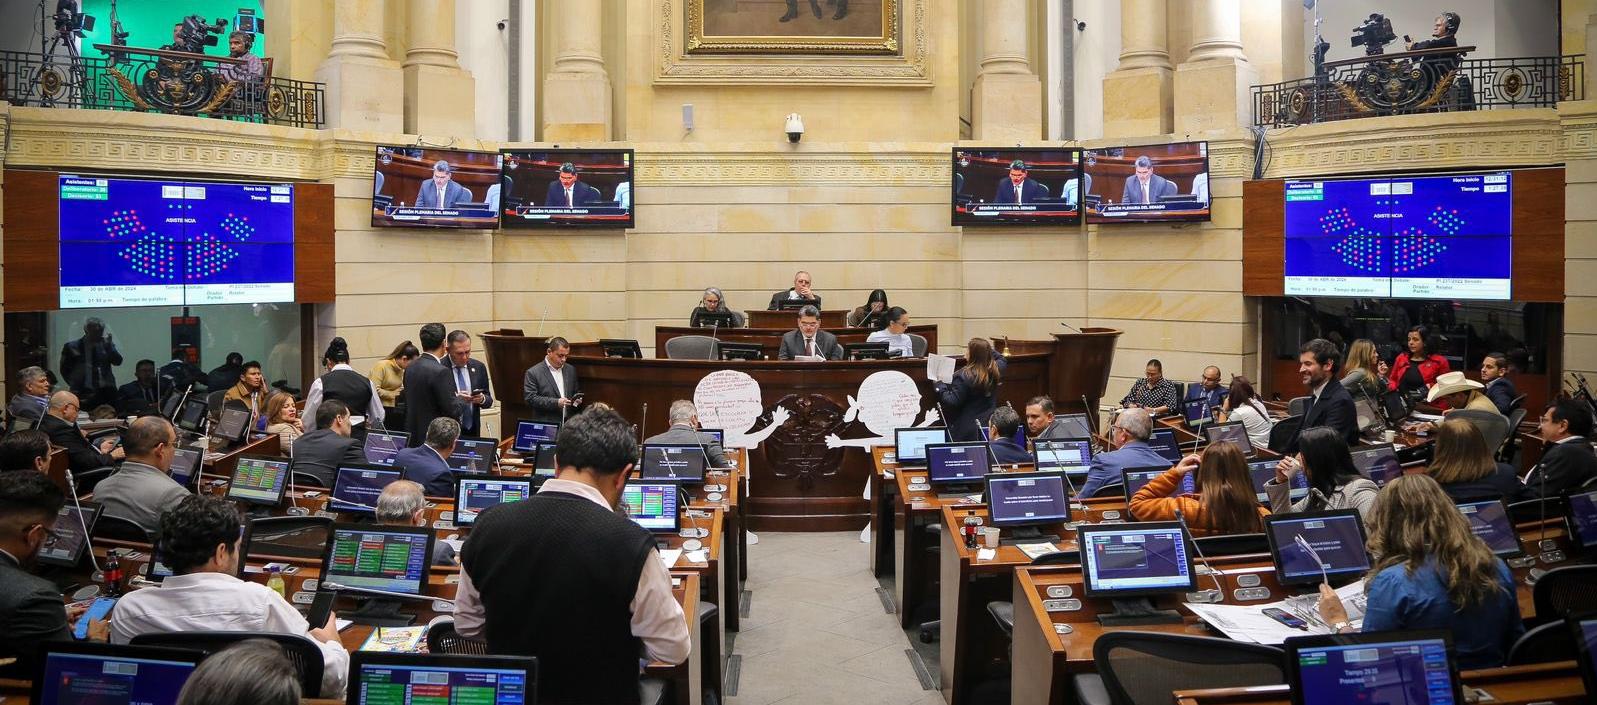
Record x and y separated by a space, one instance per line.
1419 367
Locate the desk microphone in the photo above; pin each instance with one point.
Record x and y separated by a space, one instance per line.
1206 596
644 424
1071 327
1541 541
88 541
541 318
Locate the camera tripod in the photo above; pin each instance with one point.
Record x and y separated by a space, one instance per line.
52 84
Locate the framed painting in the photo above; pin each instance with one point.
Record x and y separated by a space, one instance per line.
848 27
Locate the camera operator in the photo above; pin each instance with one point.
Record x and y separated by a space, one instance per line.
1445 32
239 44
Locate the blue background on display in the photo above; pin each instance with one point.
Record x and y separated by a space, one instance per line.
76 678
1410 673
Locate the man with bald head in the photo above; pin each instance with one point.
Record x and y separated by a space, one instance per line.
60 423
1208 389
143 489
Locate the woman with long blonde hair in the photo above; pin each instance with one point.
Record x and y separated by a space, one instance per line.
1464 467
1225 503
1432 572
1361 372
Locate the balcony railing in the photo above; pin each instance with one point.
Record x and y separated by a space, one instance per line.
1427 81
160 81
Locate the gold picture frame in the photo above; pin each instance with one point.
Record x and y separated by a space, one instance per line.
835 27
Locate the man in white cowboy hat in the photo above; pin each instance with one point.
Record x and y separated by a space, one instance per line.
1459 392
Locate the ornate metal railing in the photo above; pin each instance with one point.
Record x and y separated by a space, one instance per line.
1428 81
160 81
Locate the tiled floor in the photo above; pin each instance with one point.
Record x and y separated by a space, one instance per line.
817 632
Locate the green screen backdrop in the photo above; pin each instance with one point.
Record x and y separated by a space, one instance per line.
149 24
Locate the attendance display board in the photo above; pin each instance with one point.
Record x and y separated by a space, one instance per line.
166 242
1431 237
1017 186
1159 183
566 188
416 187
429 680
390 559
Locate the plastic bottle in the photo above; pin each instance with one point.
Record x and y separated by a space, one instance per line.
275 582
970 529
112 571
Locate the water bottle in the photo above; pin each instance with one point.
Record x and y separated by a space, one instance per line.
275 581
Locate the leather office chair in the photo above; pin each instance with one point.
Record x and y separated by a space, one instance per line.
1110 490
1516 416
1571 589
302 652
1297 406
1142 668
1284 431
306 479
111 526
1232 544
1532 510
1545 644
691 347
917 345
87 479
1492 425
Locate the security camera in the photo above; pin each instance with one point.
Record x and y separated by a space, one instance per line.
795 127
1081 26
503 24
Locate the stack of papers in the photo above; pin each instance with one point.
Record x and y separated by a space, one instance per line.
1033 550
1249 623
669 557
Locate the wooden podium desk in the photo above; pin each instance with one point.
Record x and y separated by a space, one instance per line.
1541 683
770 339
760 318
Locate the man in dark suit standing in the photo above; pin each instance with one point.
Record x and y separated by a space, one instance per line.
1330 404
86 364
809 339
550 387
1146 186
470 378
685 430
427 465
31 610
568 191
322 451
441 191
800 292
1016 188
60 423
1568 463
429 392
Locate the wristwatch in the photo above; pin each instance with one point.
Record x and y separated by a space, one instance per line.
1340 627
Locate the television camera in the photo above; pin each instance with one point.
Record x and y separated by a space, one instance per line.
1374 34
194 34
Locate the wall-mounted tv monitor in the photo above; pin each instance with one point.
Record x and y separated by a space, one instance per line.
1017 186
1156 183
1430 237
417 187
171 242
555 188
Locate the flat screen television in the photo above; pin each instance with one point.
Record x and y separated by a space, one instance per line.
1423 237
1017 186
173 242
559 188
418 187
1175 190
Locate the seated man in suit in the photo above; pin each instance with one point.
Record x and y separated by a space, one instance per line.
1499 388
403 504
144 489
1568 463
1130 436
34 399
1208 388
140 396
1002 426
568 191
1017 188
1040 422
322 451
809 339
1146 186
441 191
60 423
425 464
471 382
31 608
1330 403
1445 35
685 429
800 292
550 387
25 450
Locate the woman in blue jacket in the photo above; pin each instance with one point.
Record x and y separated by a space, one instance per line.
970 398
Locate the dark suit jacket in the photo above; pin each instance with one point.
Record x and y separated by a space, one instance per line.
320 452
1030 190
1502 392
1157 186
581 195
477 375
31 611
1334 409
539 391
1564 468
682 435
965 408
76 374
177 376
80 455
133 399
425 467
825 345
27 407
429 393
454 194
780 296
1008 452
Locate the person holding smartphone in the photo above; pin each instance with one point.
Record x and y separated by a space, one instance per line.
550 387
31 610
471 382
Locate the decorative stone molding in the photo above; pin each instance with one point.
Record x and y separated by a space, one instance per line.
1472 140
1579 122
674 66
750 168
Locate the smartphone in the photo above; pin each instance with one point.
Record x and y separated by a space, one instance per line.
1287 618
98 610
321 607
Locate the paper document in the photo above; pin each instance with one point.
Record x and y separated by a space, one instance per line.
939 368
1249 623
669 557
809 358
986 554
699 556
1034 550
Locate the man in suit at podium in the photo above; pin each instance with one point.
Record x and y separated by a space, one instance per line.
1016 188
1146 186
809 339
800 292
568 192
441 191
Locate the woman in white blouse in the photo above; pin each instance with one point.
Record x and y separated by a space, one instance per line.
899 344
1243 404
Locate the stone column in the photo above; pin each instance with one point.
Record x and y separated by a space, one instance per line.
576 98
1213 88
359 75
1006 99
1137 94
440 97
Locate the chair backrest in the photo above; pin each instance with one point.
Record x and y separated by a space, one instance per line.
303 652
22 423
917 345
1492 425
443 639
1232 544
1566 590
1143 668
305 478
691 347
1282 433
87 479
292 537
1518 402
1297 406
1110 490
111 526
1531 509
1544 644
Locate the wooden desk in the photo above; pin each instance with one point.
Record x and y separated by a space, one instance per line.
270 445
1550 683
770 339
883 510
760 318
